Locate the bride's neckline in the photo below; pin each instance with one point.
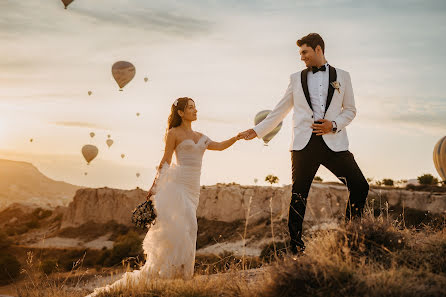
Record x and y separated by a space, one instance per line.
190 140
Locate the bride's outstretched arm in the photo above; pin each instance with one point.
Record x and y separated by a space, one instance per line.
167 158
220 146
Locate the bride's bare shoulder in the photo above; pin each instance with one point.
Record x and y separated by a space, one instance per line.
173 133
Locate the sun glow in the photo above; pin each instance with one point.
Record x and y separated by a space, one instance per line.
3 132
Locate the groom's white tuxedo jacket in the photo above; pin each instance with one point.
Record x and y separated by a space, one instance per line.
340 107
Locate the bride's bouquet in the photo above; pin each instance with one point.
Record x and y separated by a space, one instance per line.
144 215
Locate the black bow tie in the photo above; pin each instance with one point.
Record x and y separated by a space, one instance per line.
316 69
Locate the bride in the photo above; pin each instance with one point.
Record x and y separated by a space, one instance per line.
170 243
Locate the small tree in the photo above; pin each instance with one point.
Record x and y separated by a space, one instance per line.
318 179
388 182
272 179
427 179
256 180
369 179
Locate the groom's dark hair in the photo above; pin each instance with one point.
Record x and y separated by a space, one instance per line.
312 40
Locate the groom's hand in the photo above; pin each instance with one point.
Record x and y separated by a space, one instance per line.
248 134
324 128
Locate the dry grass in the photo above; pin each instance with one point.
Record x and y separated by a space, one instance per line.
374 257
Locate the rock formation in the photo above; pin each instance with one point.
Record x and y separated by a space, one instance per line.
22 182
230 202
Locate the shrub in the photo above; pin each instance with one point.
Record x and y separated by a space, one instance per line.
376 241
71 259
16 230
48 266
318 179
427 179
32 224
307 277
9 268
272 179
90 230
40 213
388 182
5 242
129 245
267 253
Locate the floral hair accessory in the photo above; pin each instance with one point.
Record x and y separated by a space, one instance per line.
176 102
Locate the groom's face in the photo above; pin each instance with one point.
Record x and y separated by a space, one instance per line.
308 55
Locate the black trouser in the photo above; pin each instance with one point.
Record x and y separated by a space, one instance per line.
305 163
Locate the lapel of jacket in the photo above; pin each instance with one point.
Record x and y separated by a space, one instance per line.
332 75
303 80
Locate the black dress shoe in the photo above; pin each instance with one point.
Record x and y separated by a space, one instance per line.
297 249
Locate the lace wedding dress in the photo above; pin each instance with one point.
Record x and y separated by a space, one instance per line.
170 243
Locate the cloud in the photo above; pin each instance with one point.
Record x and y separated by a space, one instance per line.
79 124
148 19
43 18
427 114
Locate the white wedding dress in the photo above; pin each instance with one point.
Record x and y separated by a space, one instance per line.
170 243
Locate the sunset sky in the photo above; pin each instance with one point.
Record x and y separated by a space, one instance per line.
234 58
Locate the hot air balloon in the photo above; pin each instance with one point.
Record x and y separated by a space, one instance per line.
137 174
66 3
260 117
109 142
108 136
92 134
137 114
146 79
85 173
123 72
89 93
89 152
122 156
440 158
31 140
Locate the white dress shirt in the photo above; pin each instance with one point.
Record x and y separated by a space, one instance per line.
318 89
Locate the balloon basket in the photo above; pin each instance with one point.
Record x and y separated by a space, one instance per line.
120 90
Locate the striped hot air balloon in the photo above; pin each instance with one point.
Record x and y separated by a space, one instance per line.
440 157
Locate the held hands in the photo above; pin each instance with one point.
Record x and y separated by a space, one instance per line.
247 135
324 128
320 129
238 137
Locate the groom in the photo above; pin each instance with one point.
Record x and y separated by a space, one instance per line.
321 97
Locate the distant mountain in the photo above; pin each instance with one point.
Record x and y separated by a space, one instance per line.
22 182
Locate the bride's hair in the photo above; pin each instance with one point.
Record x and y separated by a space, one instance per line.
174 119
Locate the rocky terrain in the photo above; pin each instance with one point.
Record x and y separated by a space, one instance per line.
39 216
40 212
22 182
230 202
